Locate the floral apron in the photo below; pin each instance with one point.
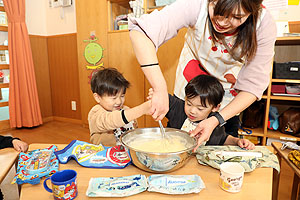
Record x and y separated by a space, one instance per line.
201 56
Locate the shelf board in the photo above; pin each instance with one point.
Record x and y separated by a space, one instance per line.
152 8
4 85
122 3
3 104
274 80
286 98
4 66
119 1
119 31
290 40
2 47
279 135
258 132
4 28
2 8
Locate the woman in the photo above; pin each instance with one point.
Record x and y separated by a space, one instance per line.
232 40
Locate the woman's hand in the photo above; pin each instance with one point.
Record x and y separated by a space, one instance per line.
160 104
204 129
20 145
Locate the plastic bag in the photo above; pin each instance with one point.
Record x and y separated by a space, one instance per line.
34 165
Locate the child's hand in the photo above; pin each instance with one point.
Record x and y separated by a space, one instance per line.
244 143
20 145
150 94
148 107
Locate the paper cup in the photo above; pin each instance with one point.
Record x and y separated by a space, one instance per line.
231 176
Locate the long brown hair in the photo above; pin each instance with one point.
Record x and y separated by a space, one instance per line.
246 36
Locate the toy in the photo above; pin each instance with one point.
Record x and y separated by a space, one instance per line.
273 122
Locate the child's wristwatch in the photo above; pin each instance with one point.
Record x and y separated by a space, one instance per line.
219 118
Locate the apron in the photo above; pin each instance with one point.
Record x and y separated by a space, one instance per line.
201 56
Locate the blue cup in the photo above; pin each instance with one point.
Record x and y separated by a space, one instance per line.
64 184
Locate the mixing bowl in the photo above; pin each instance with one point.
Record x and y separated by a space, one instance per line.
156 162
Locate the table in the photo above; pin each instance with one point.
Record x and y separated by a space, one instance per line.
256 185
283 156
8 158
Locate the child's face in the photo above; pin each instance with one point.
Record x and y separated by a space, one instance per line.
111 103
195 111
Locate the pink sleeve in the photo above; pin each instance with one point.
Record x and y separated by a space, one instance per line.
254 76
160 26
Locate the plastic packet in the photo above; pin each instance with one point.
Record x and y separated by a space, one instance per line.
175 184
39 161
34 165
95 156
117 186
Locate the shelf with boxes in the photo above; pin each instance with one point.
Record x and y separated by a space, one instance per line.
278 93
117 14
118 11
4 59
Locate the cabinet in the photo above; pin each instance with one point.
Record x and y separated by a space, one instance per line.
121 7
4 70
286 49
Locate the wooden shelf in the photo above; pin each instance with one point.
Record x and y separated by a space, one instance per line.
119 31
285 98
281 136
2 47
258 132
4 85
152 8
285 81
4 66
4 28
3 104
290 40
119 1
2 8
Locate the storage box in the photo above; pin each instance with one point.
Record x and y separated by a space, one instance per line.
294 27
278 89
163 2
288 70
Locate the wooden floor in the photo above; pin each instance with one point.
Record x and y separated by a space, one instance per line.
64 133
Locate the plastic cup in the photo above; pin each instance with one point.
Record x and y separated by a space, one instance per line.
231 176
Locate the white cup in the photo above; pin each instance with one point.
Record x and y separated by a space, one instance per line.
231 176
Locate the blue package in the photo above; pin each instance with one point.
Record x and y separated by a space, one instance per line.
34 165
117 186
94 156
175 184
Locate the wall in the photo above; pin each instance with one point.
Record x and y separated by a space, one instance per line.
63 68
36 17
44 20
41 66
91 16
54 51
290 14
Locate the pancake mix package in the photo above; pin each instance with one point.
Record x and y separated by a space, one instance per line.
131 185
175 184
34 165
117 186
95 156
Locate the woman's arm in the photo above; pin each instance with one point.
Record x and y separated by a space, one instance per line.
237 105
148 33
146 54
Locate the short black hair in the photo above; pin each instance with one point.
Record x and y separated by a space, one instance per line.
108 81
207 87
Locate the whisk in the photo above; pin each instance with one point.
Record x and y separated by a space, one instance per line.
162 130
